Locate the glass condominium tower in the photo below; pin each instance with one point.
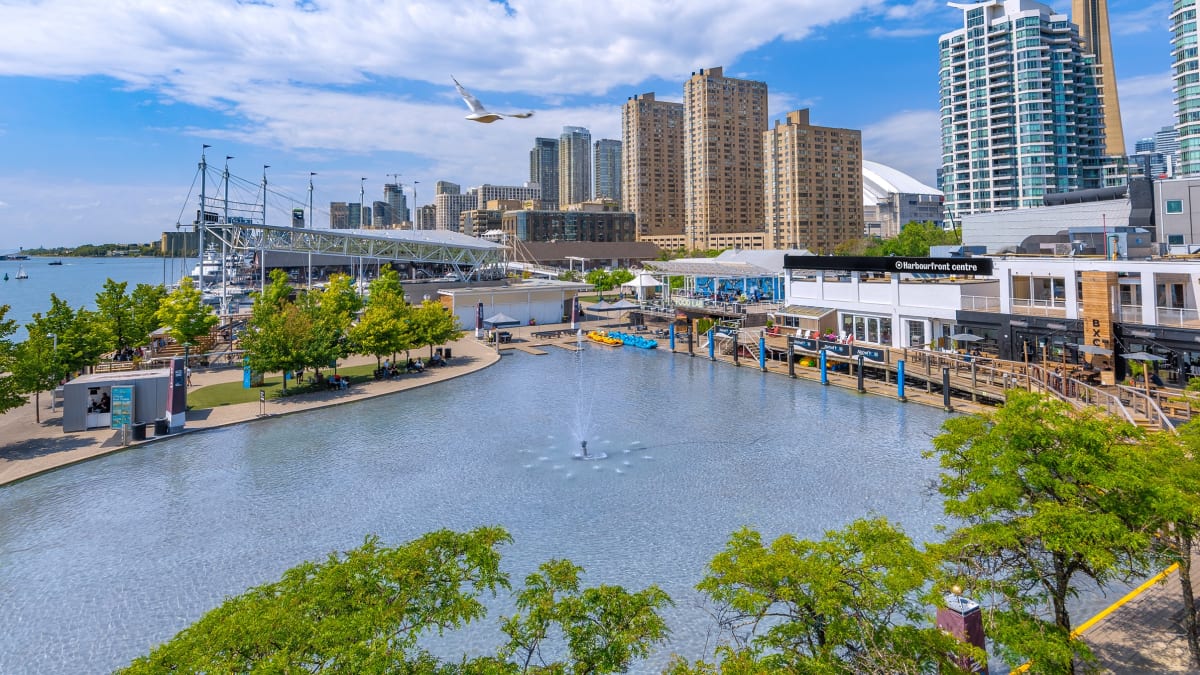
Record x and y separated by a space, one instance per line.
1186 71
1020 108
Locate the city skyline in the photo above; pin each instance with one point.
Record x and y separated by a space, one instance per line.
98 144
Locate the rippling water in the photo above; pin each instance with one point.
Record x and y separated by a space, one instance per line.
101 561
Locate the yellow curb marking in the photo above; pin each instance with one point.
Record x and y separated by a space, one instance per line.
1111 608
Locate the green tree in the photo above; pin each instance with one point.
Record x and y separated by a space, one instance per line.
10 385
183 313
36 363
367 611
1172 465
80 340
853 602
620 276
146 299
384 326
601 280
278 334
605 627
1046 496
361 612
115 309
914 240
432 324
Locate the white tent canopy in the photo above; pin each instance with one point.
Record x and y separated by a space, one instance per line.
641 282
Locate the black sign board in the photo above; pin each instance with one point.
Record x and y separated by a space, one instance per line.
957 266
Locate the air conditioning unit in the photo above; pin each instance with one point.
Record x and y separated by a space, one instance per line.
1063 248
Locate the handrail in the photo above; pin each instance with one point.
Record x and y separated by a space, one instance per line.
1153 412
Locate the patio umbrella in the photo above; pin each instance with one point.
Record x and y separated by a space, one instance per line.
1145 357
966 337
1093 349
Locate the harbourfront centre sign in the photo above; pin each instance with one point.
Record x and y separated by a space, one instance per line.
959 266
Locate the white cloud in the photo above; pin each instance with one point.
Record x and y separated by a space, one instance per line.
1147 105
1147 17
909 140
206 50
3 204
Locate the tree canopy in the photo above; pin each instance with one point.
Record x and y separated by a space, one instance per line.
365 611
183 313
10 385
914 240
1047 496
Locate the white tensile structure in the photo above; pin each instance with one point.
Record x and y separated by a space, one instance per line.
892 199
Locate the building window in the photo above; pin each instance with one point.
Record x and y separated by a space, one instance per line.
1174 206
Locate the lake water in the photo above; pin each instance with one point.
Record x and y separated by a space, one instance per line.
77 281
100 561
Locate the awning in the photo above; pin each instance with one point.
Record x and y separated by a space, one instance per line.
501 320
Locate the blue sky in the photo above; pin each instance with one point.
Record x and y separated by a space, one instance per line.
104 106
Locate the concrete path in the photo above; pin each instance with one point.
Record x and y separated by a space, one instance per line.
28 448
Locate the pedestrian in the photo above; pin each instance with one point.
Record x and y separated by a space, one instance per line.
188 372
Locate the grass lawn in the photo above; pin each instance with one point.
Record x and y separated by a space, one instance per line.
229 393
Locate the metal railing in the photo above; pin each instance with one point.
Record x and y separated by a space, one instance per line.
1149 407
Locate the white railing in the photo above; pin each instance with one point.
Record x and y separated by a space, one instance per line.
1131 314
980 303
1039 306
1177 316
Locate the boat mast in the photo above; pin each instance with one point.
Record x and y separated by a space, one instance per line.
203 212
224 255
263 258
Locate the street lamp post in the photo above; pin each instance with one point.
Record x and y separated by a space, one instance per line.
362 193
414 206
187 370
53 401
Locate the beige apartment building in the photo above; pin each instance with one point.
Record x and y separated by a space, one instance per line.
814 184
652 175
724 121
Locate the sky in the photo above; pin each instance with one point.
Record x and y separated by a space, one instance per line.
105 106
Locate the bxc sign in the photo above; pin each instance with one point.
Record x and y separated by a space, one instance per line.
959 266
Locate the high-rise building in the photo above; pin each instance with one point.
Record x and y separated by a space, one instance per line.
652 164
1186 69
426 217
450 207
723 120
607 169
1092 18
1020 109
574 166
339 215
393 194
814 184
543 169
357 215
381 217
1166 149
486 193
445 187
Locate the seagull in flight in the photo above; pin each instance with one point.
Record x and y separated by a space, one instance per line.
478 113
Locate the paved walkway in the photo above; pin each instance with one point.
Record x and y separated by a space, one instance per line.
30 448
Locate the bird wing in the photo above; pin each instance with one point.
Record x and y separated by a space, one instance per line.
521 115
472 102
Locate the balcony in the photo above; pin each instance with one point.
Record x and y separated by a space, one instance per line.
980 303
1179 316
1039 307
